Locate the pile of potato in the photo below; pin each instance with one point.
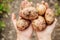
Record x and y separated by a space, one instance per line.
39 16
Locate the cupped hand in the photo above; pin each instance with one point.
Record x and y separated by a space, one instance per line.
48 30
46 34
22 35
26 34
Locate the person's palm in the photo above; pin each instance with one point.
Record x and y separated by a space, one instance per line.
48 30
26 33
46 34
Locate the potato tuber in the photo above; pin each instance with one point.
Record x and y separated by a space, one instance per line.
39 24
22 24
41 9
25 4
40 17
29 13
49 16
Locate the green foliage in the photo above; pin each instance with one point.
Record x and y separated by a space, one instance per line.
1 7
57 7
4 6
29 0
2 25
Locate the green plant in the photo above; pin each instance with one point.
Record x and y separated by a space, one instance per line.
4 6
4 9
2 25
30 0
57 7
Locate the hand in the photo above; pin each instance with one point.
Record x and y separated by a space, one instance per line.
22 35
46 34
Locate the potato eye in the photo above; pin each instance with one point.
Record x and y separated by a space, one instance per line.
29 12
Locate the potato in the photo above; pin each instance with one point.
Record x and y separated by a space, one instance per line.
22 24
39 24
29 13
25 3
49 16
41 9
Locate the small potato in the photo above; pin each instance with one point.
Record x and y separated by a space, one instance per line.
49 16
39 24
41 9
22 24
29 13
25 3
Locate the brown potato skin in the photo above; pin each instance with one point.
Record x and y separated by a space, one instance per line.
49 16
39 24
29 13
41 9
25 4
22 24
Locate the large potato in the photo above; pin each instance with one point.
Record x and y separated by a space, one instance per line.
22 24
29 13
41 9
39 24
49 16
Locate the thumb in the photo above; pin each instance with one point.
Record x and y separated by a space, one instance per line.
46 4
13 18
50 28
43 2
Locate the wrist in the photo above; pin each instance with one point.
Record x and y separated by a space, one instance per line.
22 37
48 37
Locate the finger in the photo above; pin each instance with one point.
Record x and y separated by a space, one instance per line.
28 31
14 20
46 4
31 3
50 28
19 17
13 16
25 0
43 2
38 4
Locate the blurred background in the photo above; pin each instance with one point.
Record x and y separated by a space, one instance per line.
7 7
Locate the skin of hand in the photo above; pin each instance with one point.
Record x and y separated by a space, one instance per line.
46 34
26 34
22 35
